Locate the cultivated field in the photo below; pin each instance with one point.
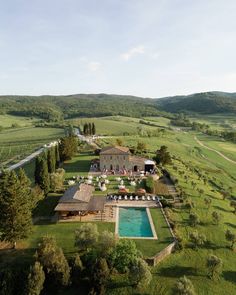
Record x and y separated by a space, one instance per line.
20 142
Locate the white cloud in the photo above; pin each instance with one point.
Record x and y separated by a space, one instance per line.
133 52
94 66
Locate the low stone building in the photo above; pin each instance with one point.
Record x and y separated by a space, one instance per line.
120 159
78 200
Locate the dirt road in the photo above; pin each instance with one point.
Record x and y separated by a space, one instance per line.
213 150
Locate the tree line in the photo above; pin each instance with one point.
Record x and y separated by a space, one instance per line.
89 128
18 199
48 176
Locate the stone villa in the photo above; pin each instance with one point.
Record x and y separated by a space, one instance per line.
120 159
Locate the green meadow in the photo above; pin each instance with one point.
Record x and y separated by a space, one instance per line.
7 121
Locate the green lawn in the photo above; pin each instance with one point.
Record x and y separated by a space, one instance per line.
150 248
64 234
79 165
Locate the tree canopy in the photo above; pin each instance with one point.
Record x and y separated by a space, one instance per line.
16 205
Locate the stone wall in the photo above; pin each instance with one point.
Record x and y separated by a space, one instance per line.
153 261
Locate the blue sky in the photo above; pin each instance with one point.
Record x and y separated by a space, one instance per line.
149 48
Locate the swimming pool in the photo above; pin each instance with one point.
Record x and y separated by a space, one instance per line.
134 222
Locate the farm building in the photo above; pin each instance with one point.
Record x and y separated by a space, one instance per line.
119 159
78 200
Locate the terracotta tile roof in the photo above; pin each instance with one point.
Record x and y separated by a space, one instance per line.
114 150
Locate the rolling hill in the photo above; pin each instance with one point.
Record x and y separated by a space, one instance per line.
54 108
205 103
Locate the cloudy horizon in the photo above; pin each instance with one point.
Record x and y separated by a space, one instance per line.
143 48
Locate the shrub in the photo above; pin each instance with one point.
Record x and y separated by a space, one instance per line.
149 184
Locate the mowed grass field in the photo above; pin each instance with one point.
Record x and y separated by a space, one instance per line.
20 142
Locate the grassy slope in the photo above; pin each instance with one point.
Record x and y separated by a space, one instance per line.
8 120
113 125
183 145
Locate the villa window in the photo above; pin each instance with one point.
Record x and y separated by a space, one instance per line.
111 157
124 157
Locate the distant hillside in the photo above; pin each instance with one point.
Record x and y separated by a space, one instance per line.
54 108
78 105
206 102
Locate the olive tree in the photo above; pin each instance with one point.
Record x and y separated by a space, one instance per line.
214 266
194 219
139 274
231 237
86 236
124 254
183 286
216 217
197 239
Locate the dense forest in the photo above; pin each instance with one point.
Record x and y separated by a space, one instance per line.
204 103
55 108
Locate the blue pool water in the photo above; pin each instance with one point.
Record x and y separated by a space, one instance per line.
134 222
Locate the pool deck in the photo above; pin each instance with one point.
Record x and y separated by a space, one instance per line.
133 203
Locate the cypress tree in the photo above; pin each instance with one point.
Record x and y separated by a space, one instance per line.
68 147
36 279
57 156
54 263
15 207
93 129
44 176
51 160
100 277
37 170
41 174
86 129
89 128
